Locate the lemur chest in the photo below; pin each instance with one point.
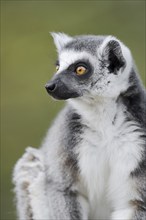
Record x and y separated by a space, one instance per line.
107 154
94 164
94 158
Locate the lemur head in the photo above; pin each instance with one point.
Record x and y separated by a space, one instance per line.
89 67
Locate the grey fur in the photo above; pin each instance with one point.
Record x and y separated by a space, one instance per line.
66 197
88 43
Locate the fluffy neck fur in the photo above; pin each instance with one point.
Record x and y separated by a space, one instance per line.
106 108
96 111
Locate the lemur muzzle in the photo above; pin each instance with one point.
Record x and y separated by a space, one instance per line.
59 90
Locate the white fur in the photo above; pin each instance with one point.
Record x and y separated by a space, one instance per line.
118 83
107 155
125 51
122 214
60 39
30 181
109 151
106 158
67 57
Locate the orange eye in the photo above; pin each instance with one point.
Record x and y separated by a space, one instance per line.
80 70
57 67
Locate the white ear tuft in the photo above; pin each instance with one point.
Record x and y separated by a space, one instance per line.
60 40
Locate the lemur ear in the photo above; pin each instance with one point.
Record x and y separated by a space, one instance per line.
111 52
60 40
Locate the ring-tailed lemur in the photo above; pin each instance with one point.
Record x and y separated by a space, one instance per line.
92 164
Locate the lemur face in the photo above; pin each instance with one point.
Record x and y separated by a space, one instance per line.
89 67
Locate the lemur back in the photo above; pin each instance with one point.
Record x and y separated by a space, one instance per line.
92 163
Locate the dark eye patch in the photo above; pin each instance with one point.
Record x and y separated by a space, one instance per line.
84 63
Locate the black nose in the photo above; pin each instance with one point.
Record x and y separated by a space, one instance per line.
51 87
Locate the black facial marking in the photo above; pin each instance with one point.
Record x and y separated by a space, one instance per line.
65 84
94 82
59 90
85 63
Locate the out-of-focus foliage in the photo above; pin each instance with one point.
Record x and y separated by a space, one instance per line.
27 63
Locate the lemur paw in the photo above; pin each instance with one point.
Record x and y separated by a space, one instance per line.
29 168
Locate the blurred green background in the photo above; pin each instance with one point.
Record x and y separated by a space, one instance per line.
27 63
